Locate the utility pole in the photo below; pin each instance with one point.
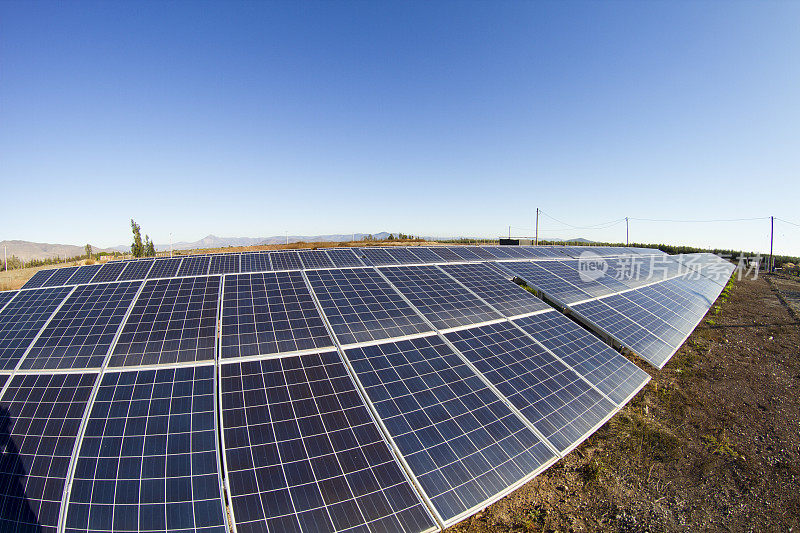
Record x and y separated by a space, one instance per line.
627 238
537 226
771 264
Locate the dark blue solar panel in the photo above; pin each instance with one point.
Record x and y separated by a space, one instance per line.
224 264
109 271
39 278
80 333
255 262
445 254
22 319
315 259
40 416
424 255
483 252
84 274
465 253
361 306
136 269
285 261
605 368
303 453
552 286
378 256
172 321
61 277
342 257
402 256
148 459
165 268
462 442
196 265
442 300
270 313
5 297
562 406
501 293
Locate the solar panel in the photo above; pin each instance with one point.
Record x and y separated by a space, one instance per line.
402 256
109 271
606 369
378 256
315 259
425 255
500 252
84 274
445 254
537 277
195 265
483 252
136 269
5 297
361 306
60 277
39 278
172 321
626 331
270 313
165 268
255 262
148 458
645 319
303 453
343 257
39 420
224 264
22 319
554 398
465 253
285 261
461 441
443 301
501 293
81 331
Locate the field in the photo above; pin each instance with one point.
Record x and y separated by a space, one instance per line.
711 444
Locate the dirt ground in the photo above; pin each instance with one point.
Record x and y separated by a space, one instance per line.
711 444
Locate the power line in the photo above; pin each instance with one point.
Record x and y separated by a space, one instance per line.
608 224
699 221
792 223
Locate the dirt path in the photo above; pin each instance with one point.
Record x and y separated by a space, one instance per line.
712 443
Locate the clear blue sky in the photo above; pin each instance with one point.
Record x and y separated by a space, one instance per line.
253 119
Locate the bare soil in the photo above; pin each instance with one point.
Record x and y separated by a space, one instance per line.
711 444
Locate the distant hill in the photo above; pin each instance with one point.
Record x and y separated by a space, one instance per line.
27 250
212 241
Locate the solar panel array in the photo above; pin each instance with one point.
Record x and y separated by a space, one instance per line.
394 389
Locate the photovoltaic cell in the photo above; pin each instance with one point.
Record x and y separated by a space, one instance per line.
303 453
84 274
443 301
60 277
148 459
270 313
39 278
343 257
446 254
5 297
136 270
552 286
224 264
563 407
645 344
501 293
80 333
361 306
482 252
315 259
285 261
378 256
109 272
603 367
22 319
461 441
500 252
425 255
40 416
194 265
402 256
165 268
466 253
172 321
255 262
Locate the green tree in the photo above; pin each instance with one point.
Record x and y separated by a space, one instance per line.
88 249
137 248
149 247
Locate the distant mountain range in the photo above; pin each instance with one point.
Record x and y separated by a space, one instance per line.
27 250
